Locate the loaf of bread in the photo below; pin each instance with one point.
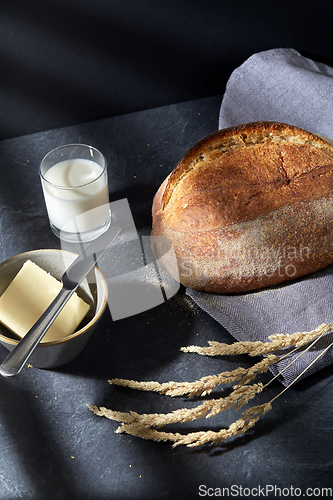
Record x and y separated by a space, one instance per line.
248 207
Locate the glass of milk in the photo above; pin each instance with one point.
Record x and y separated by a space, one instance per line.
75 186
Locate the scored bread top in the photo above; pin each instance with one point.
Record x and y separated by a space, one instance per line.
243 172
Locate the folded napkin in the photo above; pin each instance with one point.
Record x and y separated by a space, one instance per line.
279 85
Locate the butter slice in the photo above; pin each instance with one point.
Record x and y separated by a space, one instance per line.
29 295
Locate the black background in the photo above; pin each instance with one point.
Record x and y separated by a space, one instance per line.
70 61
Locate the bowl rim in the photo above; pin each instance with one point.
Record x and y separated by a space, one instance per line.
74 334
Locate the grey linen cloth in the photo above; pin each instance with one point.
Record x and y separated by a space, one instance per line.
279 85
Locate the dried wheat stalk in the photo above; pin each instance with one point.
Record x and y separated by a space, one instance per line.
145 425
238 398
276 342
199 438
203 386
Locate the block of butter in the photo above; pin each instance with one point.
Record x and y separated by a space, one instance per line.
29 295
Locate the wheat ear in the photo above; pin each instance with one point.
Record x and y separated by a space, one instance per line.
237 398
140 425
203 386
277 342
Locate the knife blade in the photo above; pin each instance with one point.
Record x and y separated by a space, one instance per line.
71 279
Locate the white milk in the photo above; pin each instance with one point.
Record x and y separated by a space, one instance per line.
76 187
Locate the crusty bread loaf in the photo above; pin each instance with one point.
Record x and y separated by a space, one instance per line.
248 207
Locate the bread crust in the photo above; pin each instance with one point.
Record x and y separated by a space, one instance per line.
248 207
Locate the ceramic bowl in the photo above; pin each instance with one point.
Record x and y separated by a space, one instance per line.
92 290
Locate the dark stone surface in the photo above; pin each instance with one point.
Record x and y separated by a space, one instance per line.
52 445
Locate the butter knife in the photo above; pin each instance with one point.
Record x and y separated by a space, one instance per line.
71 279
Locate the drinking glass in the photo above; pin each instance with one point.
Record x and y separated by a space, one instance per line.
75 186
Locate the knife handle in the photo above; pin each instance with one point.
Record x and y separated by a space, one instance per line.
16 359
